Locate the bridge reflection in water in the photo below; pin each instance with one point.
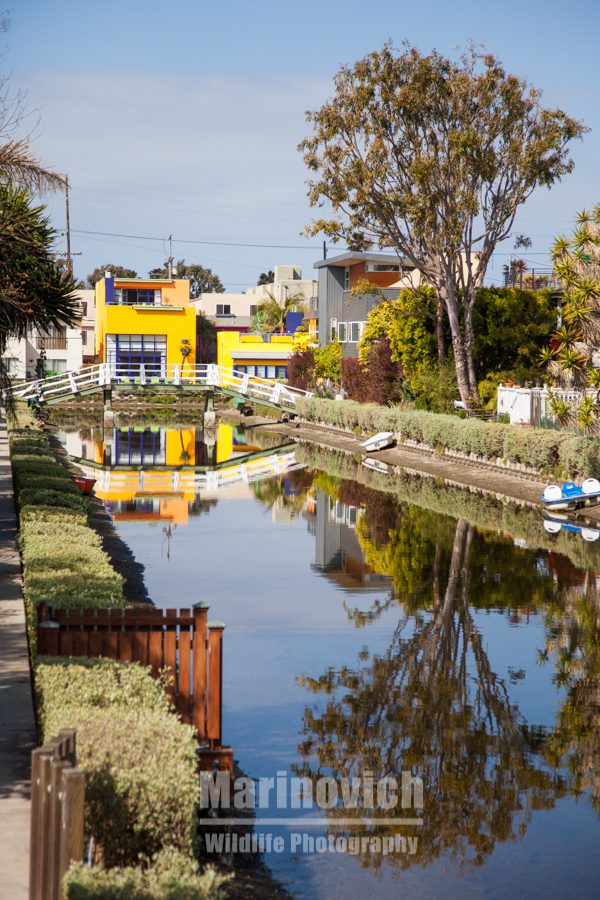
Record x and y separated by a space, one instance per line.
164 473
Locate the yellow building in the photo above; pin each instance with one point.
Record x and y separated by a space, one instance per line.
144 321
261 355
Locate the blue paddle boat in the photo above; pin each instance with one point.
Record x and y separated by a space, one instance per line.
570 495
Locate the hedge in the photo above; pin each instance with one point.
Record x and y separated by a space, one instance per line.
63 560
142 786
172 876
560 452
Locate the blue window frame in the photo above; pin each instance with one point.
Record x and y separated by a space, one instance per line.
140 447
129 351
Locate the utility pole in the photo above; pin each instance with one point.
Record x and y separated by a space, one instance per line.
170 259
324 249
68 234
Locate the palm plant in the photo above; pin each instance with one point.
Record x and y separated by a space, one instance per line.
573 358
19 167
35 292
273 314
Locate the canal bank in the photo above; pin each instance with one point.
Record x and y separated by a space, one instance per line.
17 719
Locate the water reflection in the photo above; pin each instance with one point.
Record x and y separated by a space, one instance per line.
386 622
432 702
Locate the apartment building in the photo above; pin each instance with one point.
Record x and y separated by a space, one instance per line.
342 311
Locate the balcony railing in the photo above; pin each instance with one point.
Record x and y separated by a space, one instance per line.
51 343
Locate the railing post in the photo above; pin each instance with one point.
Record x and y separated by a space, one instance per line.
215 682
176 374
72 382
71 826
142 374
244 384
199 669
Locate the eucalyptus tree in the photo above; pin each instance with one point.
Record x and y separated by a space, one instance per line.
432 157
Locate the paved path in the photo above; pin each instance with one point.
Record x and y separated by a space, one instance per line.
17 723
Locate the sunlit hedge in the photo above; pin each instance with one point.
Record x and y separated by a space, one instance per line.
142 786
172 876
63 560
560 452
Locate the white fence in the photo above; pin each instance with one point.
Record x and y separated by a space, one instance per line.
529 406
115 481
140 375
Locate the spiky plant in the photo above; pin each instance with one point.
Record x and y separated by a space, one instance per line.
573 358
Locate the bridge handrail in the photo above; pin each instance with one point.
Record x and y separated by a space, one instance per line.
209 374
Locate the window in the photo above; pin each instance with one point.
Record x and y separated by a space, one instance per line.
253 309
145 447
84 307
223 309
138 297
347 278
271 371
55 338
281 371
353 332
382 267
333 330
342 332
84 335
129 351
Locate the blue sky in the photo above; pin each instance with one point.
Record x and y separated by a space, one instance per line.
184 117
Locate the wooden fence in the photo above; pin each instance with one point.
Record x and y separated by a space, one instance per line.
181 640
57 803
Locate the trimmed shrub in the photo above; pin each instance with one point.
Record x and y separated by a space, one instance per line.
142 786
560 452
172 876
63 560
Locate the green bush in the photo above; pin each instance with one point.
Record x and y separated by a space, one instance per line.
63 560
171 876
548 451
142 786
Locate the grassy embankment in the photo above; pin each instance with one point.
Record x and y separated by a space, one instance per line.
559 453
142 786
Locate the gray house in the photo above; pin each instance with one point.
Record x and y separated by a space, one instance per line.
342 311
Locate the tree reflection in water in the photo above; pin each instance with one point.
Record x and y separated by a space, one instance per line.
433 705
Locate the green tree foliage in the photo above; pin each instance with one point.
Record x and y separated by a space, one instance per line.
266 277
34 290
327 361
117 272
202 281
433 157
511 327
206 337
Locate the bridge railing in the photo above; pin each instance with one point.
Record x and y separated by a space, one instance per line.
115 480
147 374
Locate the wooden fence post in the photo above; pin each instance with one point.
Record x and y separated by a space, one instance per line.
71 832
199 669
215 681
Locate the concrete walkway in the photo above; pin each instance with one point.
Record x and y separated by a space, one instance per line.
17 722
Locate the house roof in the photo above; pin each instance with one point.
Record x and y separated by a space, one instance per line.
351 257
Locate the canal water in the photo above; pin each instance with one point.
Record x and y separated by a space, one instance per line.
382 624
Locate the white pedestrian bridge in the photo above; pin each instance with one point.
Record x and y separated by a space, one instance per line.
203 377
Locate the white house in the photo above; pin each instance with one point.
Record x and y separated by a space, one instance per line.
63 347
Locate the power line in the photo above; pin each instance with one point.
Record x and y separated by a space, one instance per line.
141 237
